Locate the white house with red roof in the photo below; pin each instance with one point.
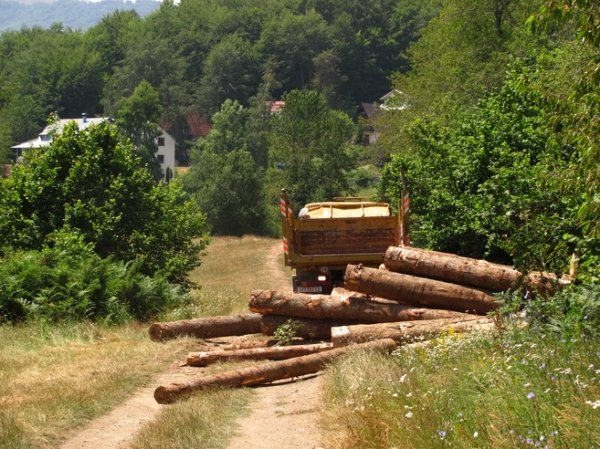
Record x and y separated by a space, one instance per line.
165 142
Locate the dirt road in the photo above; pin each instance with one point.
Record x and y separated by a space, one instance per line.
284 414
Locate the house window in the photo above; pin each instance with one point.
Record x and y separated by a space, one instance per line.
161 141
161 158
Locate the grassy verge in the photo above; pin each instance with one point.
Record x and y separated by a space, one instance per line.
464 392
55 378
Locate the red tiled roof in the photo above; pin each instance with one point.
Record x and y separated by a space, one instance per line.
199 126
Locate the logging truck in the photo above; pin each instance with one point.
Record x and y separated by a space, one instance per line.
323 238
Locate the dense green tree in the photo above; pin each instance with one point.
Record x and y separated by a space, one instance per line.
88 183
138 121
486 187
110 37
309 148
224 178
290 42
230 72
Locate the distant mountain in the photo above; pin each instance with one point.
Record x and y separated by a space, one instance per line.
72 14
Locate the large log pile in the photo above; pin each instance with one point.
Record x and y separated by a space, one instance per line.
415 293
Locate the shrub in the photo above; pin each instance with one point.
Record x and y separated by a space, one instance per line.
59 285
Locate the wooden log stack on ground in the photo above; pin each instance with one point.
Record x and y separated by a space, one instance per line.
416 294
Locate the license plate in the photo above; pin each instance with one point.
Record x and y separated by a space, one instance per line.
317 289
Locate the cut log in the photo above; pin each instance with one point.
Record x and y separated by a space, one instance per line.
271 353
209 327
466 271
307 328
418 291
344 307
405 332
268 372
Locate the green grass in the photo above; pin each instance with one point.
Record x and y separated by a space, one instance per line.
466 392
204 421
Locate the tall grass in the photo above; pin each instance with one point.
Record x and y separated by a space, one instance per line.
520 390
203 421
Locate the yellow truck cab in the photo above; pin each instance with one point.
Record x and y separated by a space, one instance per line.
323 238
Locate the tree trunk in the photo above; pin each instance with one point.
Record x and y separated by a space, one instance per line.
271 353
269 372
451 268
466 271
418 291
307 328
345 307
209 327
406 331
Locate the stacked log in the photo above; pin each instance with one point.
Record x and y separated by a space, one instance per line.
419 291
416 294
209 327
269 372
467 271
404 332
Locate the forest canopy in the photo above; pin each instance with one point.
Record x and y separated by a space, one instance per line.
494 119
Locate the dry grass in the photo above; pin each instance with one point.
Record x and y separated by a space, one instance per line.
231 269
55 378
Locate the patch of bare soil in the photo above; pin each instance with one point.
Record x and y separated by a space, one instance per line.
117 429
284 414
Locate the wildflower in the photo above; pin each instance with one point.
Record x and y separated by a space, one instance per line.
409 415
403 378
595 404
395 395
475 434
442 433
530 395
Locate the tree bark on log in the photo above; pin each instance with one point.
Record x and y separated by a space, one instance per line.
209 327
307 328
418 291
270 353
269 372
345 307
466 271
404 332
451 268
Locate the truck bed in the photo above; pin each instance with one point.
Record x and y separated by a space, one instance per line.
344 236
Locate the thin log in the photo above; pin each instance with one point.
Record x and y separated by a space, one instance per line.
270 353
418 291
342 307
467 271
260 374
208 327
404 332
306 328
